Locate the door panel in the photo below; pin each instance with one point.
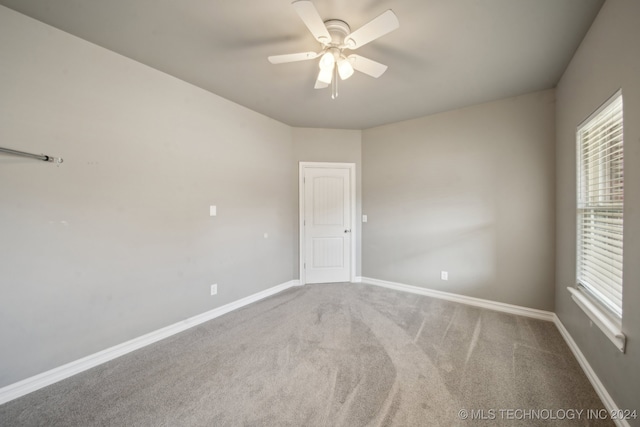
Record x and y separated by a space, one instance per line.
328 200
327 225
328 252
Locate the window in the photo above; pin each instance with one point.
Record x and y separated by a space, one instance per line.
600 200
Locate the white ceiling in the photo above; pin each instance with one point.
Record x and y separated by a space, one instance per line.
446 54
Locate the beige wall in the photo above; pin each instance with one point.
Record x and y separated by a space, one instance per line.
470 192
607 60
330 145
117 241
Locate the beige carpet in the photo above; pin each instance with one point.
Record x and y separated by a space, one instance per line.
332 355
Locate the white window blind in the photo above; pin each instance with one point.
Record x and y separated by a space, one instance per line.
600 205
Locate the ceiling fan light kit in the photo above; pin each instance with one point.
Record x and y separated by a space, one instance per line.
335 37
345 69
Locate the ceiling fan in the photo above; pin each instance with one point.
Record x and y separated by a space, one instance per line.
336 38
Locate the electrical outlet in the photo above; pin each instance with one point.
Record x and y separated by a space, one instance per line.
214 289
444 275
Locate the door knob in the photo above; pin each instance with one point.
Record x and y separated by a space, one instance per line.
347 231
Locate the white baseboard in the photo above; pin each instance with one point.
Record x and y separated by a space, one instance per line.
28 385
477 302
589 372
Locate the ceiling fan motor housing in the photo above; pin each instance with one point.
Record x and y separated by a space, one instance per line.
338 30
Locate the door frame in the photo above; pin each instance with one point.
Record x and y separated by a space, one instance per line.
352 200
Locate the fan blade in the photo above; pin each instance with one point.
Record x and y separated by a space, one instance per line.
292 57
370 31
367 66
311 18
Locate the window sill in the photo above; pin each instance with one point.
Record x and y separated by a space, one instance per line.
610 328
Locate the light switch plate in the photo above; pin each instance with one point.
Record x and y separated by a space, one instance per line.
364 218
213 211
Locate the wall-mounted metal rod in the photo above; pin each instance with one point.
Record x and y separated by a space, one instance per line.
32 156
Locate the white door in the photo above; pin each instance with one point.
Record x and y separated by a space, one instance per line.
326 224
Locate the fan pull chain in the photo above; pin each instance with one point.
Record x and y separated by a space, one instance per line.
334 83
